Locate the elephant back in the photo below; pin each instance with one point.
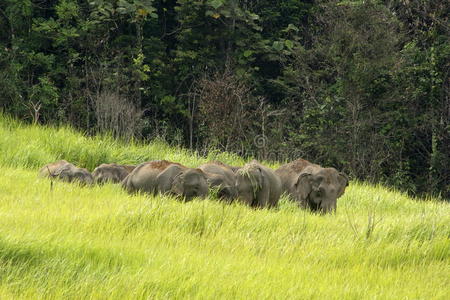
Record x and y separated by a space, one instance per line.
288 174
162 164
234 169
150 177
110 172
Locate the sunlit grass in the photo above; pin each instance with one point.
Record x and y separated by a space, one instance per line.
64 241
34 146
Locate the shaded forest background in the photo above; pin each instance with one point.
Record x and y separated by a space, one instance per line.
359 85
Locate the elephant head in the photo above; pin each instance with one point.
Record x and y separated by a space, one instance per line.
221 177
318 188
225 189
190 183
249 181
70 173
109 173
182 181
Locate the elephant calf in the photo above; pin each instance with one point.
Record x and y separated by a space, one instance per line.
167 177
111 173
221 176
311 185
258 186
49 170
67 172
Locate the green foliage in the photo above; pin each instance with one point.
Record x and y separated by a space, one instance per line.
356 109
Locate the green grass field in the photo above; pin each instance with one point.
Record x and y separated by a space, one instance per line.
71 242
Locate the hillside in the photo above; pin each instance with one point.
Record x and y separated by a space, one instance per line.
71 242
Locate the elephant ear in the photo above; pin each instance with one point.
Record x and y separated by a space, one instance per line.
343 181
177 186
303 187
214 180
167 177
261 178
65 173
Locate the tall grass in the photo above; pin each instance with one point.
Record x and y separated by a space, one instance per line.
32 146
59 240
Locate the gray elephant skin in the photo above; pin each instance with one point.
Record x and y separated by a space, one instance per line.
258 186
66 172
234 169
312 186
49 169
222 177
111 173
167 177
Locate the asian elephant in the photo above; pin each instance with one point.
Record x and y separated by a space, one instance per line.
312 186
258 186
67 172
167 177
222 177
111 173
49 169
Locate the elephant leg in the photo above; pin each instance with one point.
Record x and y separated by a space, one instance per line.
126 184
275 194
263 196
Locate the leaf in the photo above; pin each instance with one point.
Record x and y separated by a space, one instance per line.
248 53
225 12
128 8
292 27
254 16
215 15
289 44
277 45
121 10
216 3
142 12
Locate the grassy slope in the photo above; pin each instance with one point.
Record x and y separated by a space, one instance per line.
34 146
99 242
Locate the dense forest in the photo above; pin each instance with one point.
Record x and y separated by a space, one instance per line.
359 85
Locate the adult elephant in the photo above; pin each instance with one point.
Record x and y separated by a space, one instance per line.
258 186
222 177
167 177
111 173
311 185
67 172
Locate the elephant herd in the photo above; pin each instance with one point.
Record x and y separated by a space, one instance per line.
311 186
